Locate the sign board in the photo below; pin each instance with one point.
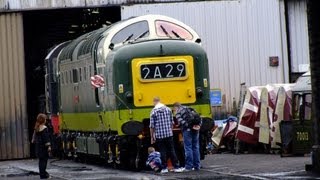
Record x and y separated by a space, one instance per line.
215 97
97 81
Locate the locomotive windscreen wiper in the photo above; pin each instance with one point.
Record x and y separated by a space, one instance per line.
128 38
141 35
176 34
165 31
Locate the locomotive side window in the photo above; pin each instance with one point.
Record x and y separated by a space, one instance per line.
62 79
70 76
168 29
133 31
80 74
84 73
75 76
54 69
66 77
89 71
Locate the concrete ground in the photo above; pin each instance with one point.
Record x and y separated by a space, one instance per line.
216 166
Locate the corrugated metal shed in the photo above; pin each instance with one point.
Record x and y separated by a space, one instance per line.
14 5
239 37
13 117
298 32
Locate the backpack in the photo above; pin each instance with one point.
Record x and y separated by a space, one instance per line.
192 117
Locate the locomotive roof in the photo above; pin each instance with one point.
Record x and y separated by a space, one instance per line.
84 44
167 46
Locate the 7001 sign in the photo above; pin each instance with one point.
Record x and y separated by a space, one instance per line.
163 71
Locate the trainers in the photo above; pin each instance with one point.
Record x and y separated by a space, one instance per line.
186 170
178 170
164 171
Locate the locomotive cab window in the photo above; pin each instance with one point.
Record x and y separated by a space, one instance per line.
168 29
307 106
302 106
297 104
131 32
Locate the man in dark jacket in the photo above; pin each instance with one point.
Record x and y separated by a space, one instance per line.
190 133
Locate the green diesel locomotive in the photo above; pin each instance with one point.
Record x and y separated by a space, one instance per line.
101 86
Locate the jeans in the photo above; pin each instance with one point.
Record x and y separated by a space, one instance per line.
43 167
166 149
191 149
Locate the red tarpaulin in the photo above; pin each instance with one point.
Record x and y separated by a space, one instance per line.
247 130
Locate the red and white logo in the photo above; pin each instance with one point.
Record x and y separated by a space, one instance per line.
97 81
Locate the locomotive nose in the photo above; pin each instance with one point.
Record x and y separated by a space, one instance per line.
169 77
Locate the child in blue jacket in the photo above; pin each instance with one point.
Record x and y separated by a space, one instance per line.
154 160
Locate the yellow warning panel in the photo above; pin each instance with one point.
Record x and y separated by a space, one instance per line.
171 78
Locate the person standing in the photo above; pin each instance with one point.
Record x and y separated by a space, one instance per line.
43 146
190 123
161 125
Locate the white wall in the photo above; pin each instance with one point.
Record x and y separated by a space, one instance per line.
239 36
298 32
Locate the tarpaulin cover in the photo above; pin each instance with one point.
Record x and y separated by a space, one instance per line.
283 112
267 106
225 130
247 130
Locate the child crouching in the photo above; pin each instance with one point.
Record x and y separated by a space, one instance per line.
154 160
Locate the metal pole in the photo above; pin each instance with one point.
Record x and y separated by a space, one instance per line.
313 7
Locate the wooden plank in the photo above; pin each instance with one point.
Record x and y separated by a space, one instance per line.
264 122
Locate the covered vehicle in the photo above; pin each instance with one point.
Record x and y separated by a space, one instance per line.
248 130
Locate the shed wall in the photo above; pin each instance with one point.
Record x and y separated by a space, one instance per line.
22 5
13 117
298 33
239 37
